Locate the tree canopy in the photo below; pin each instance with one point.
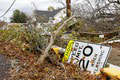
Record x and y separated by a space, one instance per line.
19 17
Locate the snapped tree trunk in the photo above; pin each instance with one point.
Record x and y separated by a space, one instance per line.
53 37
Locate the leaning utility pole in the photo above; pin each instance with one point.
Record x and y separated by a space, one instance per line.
68 3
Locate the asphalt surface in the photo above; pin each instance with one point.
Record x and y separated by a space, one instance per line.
114 57
4 67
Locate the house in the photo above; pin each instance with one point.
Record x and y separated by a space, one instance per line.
47 19
54 16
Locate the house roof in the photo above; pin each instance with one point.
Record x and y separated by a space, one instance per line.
45 15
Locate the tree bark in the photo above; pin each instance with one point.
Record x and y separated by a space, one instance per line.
53 37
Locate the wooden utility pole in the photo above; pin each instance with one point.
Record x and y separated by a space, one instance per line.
68 3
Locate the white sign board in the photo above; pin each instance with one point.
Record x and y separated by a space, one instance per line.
91 57
101 36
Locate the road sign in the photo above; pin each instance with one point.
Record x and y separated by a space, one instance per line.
68 51
91 57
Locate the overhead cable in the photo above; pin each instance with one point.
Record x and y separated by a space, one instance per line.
8 9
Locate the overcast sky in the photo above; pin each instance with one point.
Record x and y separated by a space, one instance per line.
26 6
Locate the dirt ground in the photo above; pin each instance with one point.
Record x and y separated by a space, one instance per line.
27 68
114 57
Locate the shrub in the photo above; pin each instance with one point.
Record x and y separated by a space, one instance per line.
24 38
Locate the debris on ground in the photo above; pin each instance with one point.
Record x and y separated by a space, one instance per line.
24 67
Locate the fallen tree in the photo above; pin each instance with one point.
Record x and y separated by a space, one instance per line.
52 38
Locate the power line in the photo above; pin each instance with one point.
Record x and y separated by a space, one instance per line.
8 9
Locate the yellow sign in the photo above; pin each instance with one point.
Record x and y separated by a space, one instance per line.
68 51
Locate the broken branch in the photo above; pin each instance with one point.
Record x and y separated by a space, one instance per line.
53 37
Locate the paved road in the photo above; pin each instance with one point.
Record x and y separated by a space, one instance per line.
4 68
115 56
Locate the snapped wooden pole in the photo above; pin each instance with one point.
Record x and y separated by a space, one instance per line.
68 3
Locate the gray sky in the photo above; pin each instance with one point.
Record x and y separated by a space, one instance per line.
26 6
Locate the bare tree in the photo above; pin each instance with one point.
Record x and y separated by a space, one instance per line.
61 2
102 15
114 1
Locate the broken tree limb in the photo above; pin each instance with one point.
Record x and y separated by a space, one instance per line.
107 41
53 37
45 53
97 33
64 23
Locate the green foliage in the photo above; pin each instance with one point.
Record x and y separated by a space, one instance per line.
51 8
7 35
24 38
91 29
70 26
96 39
74 33
19 17
117 28
56 26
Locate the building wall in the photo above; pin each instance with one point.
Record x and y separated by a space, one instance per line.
58 17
